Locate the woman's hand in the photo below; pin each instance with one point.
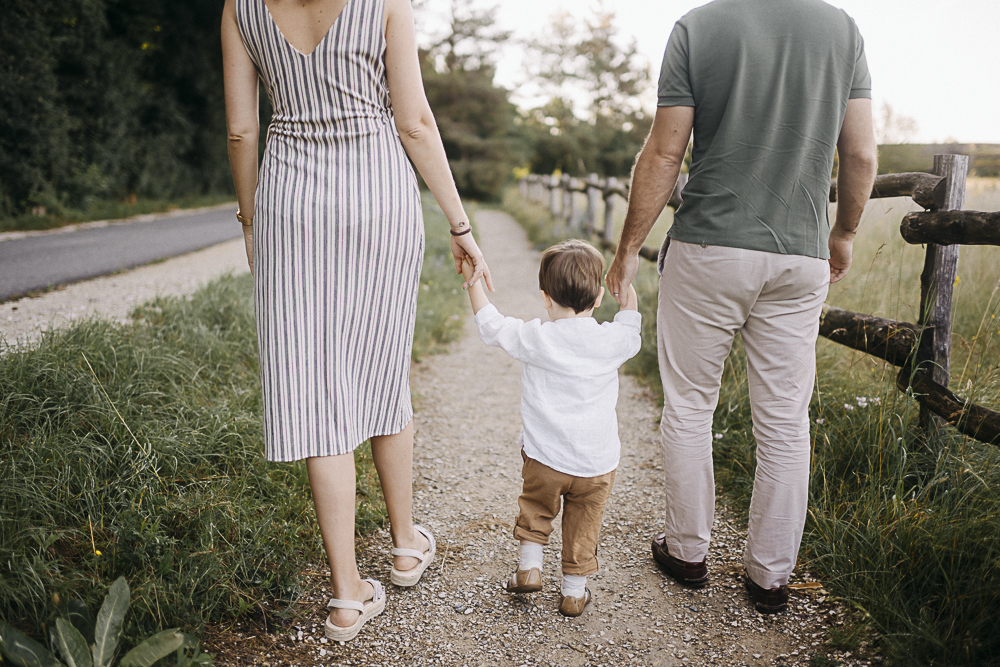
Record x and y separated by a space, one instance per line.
463 248
248 241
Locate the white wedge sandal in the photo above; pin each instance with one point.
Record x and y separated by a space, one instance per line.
410 577
369 609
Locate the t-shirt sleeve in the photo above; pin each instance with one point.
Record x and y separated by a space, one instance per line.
631 326
861 87
500 331
674 88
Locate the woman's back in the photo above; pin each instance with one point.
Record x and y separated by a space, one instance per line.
337 90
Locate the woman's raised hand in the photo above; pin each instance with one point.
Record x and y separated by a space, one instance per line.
465 247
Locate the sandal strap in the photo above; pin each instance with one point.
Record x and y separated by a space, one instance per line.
334 603
377 592
413 553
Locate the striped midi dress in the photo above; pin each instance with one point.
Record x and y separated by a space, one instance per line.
338 239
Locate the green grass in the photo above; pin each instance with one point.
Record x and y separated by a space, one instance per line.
905 531
136 450
107 210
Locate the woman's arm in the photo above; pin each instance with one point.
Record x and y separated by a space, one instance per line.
419 135
242 122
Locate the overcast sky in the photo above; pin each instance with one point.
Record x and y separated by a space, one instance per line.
932 60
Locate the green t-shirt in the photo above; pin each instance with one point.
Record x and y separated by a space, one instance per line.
769 81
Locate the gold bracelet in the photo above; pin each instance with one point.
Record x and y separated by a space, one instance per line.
244 221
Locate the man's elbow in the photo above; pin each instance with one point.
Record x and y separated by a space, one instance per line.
860 160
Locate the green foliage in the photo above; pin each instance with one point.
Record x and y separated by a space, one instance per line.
605 137
441 304
475 117
71 644
106 98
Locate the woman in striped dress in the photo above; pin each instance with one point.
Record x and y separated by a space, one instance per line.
334 237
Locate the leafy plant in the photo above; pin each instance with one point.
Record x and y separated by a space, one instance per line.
82 643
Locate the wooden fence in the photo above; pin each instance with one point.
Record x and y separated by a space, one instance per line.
922 351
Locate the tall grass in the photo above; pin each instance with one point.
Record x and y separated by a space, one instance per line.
905 529
136 450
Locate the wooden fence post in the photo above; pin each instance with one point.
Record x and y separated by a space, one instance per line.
554 196
593 194
609 210
567 198
937 283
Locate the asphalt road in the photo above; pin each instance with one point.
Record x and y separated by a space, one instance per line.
49 260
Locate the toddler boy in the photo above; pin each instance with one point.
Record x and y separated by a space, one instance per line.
569 391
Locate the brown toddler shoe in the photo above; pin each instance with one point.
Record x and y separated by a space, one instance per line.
692 575
524 581
569 606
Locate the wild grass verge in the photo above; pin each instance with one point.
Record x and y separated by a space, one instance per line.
136 450
905 530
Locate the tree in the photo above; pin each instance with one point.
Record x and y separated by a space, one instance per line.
475 117
105 98
583 60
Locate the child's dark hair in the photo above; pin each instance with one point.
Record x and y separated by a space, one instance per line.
571 273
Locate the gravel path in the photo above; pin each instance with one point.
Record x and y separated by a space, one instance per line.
467 478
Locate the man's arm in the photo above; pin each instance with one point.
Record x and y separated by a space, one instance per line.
653 178
858 165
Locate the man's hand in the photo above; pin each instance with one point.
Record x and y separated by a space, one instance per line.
841 249
620 276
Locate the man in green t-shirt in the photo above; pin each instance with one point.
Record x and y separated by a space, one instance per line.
770 88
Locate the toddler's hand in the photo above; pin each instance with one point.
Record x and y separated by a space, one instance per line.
631 300
468 270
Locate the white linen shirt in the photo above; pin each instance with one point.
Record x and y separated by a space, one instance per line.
569 385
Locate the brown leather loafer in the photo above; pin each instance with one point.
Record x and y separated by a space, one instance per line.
692 575
525 581
569 606
766 600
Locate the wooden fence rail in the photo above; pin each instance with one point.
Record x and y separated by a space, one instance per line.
922 351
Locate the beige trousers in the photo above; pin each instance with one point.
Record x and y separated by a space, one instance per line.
582 499
707 295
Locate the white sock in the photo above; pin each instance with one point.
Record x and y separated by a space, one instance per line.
574 587
531 556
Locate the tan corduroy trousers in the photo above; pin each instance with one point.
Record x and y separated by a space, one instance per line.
707 295
582 500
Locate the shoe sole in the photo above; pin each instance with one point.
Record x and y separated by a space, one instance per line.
522 589
408 578
689 583
339 634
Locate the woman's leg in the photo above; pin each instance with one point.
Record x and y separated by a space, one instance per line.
332 481
393 456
